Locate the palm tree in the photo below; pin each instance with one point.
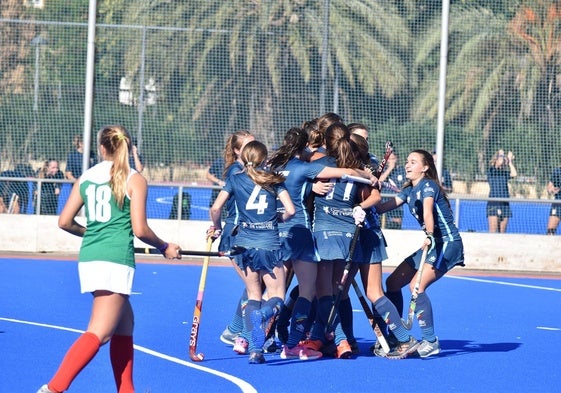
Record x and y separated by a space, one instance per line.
273 48
499 65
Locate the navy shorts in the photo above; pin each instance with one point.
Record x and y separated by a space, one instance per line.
298 244
226 238
333 245
258 259
371 248
498 209
555 210
443 257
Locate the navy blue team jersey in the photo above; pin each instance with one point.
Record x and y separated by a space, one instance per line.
334 224
444 227
298 174
296 236
335 209
231 219
257 209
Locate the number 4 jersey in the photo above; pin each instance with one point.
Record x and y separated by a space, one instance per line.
109 235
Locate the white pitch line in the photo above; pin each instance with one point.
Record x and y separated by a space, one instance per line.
243 385
505 283
548 328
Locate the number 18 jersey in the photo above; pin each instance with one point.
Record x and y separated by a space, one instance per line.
109 235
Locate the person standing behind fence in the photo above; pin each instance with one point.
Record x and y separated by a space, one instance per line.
553 188
114 198
255 192
49 191
446 183
74 160
215 176
135 158
501 170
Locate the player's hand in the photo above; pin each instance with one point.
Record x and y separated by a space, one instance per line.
322 188
213 233
358 214
173 251
429 242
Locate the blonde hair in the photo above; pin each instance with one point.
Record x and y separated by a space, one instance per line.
117 142
253 156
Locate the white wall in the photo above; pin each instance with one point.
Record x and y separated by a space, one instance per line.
483 251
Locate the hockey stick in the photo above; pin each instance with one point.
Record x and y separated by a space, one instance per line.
388 152
329 330
194 337
356 179
379 170
233 251
413 302
370 315
362 180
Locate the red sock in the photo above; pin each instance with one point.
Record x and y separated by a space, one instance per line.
121 353
77 357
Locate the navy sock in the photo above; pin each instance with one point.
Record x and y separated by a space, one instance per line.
324 305
346 316
423 311
236 324
380 321
299 321
397 299
389 313
252 305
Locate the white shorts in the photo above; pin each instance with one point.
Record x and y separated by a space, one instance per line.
109 276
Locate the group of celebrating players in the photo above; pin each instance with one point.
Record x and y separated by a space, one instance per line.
311 208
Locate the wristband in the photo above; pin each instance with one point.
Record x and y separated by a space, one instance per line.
164 248
431 239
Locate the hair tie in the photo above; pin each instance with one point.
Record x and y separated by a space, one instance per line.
249 163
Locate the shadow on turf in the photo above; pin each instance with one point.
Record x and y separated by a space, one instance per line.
458 347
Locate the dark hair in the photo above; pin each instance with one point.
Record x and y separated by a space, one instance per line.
361 152
295 141
357 126
431 173
338 144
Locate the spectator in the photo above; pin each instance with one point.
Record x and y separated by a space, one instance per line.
446 178
501 169
75 159
215 176
392 180
49 191
553 188
15 194
135 158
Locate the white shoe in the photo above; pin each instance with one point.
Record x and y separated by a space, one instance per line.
426 348
228 337
44 389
